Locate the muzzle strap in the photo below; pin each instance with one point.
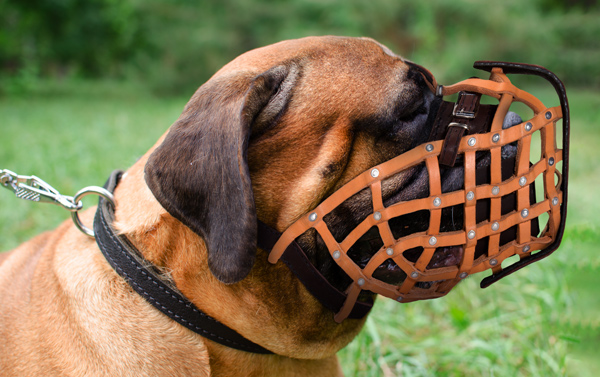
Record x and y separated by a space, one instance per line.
297 261
466 117
464 113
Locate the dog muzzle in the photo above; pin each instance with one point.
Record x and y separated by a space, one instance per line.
513 206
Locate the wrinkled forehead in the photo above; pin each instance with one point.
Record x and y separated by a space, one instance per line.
349 76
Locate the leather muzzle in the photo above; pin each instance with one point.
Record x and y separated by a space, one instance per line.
501 211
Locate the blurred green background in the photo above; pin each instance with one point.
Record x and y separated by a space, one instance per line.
172 46
87 86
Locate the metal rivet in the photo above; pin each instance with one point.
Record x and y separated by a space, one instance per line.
437 202
429 147
312 216
399 299
471 234
525 213
493 262
389 251
414 274
432 240
551 161
337 254
522 181
472 141
361 282
548 115
463 275
496 190
470 195
496 138
374 173
377 216
526 248
495 226
528 126
555 200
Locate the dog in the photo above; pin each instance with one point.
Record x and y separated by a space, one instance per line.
269 136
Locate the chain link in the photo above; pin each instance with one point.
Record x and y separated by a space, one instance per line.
32 188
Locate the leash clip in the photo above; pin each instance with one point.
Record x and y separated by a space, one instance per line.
34 189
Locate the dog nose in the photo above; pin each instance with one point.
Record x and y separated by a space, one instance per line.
511 119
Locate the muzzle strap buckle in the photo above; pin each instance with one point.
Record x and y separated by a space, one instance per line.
463 120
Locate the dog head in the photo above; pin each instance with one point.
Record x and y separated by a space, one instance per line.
278 130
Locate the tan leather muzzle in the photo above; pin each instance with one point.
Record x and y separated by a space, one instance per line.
546 169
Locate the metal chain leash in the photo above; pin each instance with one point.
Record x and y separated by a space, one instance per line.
32 188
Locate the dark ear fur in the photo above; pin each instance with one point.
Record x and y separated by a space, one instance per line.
200 175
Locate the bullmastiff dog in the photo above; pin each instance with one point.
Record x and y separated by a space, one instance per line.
268 137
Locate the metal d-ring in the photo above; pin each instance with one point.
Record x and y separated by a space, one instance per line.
100 191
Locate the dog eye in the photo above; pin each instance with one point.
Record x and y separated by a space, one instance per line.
398 127
410 111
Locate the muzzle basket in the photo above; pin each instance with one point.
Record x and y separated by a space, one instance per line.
527 243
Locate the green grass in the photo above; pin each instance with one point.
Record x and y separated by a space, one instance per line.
541 321
73 135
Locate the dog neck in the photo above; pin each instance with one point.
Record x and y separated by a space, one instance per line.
260 307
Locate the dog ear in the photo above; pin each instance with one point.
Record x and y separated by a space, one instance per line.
200 174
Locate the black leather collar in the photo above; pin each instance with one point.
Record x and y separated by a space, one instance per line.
146 280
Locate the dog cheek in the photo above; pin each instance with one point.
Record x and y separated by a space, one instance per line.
320 172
